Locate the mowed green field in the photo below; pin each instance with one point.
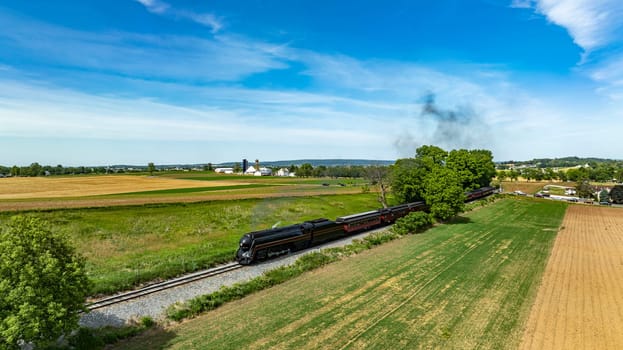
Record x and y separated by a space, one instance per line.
464 285
125 246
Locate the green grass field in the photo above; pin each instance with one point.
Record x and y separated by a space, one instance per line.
125 246
203 176
192 190
464 285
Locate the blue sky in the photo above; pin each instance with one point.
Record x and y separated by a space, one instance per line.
127 81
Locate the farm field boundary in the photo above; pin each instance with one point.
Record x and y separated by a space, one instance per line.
579 304
468 284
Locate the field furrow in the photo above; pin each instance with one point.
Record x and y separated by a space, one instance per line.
579 304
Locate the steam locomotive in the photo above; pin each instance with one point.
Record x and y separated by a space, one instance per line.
264 244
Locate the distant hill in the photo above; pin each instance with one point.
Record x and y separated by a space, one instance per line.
315 162
272 164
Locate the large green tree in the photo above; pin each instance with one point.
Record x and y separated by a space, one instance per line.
444 193
43 284
441 178
408 180
475 168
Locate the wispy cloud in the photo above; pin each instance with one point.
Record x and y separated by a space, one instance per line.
522 4
609 73
591 23
35 110
222 58
155 6
162 8
596 26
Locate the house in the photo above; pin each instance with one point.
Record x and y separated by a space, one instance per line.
283 172
250 170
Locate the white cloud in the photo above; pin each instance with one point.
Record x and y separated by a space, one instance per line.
609 74
522 4
154 6
597 27
162 8
222 58
354 108
41 111
591 23
207 19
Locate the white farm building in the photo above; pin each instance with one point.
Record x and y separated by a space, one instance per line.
224 170
261 172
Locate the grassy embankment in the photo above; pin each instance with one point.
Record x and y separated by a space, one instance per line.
128 245
469 284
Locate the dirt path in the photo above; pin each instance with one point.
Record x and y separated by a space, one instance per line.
580 302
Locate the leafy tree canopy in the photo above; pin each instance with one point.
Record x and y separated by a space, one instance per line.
43 284
441 178
474 167
616 194
444 193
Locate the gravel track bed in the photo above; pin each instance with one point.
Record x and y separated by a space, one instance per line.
154 305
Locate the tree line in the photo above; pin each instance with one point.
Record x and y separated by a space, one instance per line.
598 172
35 169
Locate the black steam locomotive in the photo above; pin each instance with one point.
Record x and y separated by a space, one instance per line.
260 245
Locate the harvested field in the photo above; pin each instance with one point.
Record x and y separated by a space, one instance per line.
19 194
68 203
80 186
530 187
580 302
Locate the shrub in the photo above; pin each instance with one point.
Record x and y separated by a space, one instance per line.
415 222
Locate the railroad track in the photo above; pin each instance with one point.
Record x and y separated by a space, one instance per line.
158 287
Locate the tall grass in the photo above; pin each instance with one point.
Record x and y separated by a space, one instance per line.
127 246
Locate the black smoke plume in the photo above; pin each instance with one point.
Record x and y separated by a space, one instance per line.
455 128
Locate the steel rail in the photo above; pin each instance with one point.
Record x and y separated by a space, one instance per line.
158 287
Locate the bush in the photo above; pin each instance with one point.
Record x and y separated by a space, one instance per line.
415 222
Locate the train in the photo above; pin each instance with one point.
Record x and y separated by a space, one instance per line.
261 245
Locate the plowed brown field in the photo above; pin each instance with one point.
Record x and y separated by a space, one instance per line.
58 187
580 302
